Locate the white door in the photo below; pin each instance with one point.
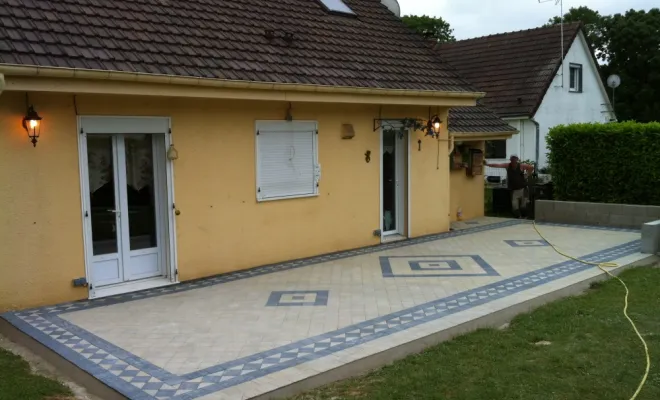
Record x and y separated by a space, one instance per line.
126 216
393 178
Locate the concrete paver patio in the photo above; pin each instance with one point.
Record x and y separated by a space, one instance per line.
251 332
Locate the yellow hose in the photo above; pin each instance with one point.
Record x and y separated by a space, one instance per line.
602 266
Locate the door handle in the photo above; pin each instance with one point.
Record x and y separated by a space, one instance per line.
113 211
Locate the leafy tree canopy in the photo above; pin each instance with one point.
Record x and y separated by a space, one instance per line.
592 21
430 27
627 45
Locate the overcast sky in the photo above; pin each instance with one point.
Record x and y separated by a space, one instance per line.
472 18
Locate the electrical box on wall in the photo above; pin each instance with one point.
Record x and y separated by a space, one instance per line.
475 163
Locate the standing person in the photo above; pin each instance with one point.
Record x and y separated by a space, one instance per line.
515 179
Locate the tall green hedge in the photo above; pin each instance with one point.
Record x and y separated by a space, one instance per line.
606 163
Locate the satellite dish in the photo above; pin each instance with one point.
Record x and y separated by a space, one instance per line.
613 81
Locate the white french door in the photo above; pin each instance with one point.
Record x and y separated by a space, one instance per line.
126 215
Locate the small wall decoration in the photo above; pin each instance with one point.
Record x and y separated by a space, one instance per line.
459 158
475 163
367 156
347 131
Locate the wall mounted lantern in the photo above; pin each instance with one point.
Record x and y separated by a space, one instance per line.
433 126
32 124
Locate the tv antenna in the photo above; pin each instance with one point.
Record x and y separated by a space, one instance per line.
613 81
559 3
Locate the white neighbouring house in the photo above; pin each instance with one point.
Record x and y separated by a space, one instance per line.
529 85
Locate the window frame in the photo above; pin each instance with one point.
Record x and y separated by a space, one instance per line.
575 67
486 154
328 9
312 127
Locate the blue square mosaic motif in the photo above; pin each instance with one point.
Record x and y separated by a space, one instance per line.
527 243
298 298
435 266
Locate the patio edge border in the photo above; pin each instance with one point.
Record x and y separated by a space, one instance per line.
492 320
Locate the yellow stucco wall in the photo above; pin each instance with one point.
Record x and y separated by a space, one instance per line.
467 192
221 227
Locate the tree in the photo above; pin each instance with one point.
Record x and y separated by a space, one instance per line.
633 52
430 27
592 22
627 45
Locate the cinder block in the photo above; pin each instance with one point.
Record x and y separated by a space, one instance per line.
595 218
621 221
653 212
570 217
639 221
564 206
638 210
539 214
651 237
605 208
631 209
547 205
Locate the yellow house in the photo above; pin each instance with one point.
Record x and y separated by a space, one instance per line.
144 147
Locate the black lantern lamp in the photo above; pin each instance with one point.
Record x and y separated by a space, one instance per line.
436 124
32 125
433 126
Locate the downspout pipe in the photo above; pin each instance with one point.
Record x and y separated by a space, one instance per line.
538 142
2 83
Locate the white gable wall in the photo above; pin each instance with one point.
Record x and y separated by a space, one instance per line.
560 106
523 144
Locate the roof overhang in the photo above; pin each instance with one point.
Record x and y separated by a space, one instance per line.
67 80
480 136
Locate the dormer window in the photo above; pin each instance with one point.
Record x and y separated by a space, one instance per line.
336 6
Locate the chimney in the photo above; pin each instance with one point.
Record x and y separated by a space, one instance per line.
393 6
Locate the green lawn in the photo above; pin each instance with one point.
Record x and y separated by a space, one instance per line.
18 383
593 354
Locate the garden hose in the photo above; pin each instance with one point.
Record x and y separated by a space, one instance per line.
603 267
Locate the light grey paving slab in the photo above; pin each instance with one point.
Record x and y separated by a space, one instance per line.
268 326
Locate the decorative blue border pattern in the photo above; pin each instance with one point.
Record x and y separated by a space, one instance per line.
386 267
138 379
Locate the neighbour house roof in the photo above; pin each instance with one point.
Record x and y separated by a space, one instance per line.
272 41
515 69
477 121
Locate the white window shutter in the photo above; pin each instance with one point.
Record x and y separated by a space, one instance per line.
286 160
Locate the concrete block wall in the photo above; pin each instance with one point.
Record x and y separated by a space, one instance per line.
615 215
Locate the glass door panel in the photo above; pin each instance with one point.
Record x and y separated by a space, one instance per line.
389 181
139 206
140 192
104 212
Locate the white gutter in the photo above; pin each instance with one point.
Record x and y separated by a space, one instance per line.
54 72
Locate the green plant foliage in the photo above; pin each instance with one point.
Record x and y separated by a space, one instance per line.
430 27
606 163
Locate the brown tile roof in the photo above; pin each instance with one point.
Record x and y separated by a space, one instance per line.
479 120
225 39
514 69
